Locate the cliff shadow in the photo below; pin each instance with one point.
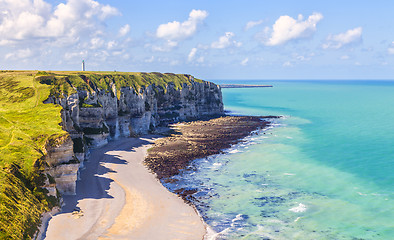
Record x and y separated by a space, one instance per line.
93 182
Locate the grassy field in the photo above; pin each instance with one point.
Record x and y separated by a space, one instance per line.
27 126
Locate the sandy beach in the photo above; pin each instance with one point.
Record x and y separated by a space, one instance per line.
118 198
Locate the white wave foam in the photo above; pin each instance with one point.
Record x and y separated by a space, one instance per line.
234 151
210 234
288 174
300 208
237 218
275 221
378 194
276 124
362 194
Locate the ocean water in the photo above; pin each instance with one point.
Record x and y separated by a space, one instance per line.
323 171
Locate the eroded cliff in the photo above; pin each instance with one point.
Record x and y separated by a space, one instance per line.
42 146
100 107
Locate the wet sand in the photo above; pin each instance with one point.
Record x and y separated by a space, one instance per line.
118 198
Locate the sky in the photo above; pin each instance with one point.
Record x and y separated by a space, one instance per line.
210 39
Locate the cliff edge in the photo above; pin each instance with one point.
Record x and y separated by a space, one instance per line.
91 108
99 107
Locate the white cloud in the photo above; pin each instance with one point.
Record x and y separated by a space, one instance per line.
225 41
252 24
4 42
287 64
71 55
150 60
166 47
302 58
96 43
390 50
117 53
342 39
31 19
200 59
107 11
287 28
177 31
19 54
124 30
245 62
192 54
72 29
111 45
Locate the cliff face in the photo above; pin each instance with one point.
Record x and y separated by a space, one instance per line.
95 115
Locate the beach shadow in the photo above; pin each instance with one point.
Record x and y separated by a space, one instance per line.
92 183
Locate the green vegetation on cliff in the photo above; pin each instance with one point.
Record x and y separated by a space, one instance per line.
69 82
28 127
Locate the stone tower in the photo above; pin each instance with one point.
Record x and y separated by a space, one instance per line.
83 65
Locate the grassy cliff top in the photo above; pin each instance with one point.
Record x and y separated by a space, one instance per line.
69 82
27 125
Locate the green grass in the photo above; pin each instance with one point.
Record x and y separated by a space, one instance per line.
69 82
28 126
26 123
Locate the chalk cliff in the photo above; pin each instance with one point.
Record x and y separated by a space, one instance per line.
101 107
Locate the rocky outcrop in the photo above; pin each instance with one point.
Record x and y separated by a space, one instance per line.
62 167
95 116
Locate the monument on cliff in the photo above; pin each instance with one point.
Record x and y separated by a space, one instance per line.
83 65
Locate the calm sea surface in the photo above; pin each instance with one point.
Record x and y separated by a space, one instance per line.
324 171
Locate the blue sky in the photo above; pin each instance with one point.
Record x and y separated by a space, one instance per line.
252 39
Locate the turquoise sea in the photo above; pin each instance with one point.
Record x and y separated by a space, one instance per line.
323 171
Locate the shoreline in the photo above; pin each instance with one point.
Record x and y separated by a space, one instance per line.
119 197
196 140
109 203
199 139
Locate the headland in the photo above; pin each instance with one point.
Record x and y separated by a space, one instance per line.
52 121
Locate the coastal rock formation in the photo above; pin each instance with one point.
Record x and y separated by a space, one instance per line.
97 113
199 139
62 166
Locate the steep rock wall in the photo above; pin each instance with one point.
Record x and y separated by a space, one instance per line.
94 116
